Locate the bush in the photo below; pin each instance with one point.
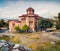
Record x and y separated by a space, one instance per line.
25 28
17 28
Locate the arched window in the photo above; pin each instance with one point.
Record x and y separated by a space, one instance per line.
30 23
13 24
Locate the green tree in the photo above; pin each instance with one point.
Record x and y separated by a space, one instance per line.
57 25
59 17
25 28
58 22
17 28
45 23
2 21
3 24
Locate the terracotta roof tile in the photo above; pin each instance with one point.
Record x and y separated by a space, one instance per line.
34 15
14 21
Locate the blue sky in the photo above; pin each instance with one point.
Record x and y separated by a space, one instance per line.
14 8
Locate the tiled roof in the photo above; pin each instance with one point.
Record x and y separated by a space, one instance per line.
14 21
34 15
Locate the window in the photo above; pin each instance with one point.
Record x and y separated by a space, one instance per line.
13 24
30 23
19 21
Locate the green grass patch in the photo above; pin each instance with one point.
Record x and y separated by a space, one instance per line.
37 38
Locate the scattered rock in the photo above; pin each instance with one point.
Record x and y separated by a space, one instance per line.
9 46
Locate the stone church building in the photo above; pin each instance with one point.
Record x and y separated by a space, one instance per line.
30 19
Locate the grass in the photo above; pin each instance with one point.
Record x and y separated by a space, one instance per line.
37 38
4 37
51 48
35 45
47 46
20 33
15 39
27 33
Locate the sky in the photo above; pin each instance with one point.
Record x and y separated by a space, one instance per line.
11 9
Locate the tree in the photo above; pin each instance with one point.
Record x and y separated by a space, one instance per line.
25 28
3 24
59 17
17 28
58 22
45 23
57 25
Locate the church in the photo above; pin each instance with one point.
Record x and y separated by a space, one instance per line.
30 19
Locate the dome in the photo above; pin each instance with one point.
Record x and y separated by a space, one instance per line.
30 8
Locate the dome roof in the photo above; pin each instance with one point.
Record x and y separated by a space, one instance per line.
30 8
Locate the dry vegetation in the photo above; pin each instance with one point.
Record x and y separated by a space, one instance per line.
31 40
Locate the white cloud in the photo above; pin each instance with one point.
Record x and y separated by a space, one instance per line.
45 9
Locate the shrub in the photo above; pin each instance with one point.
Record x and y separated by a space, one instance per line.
25 28
17 28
